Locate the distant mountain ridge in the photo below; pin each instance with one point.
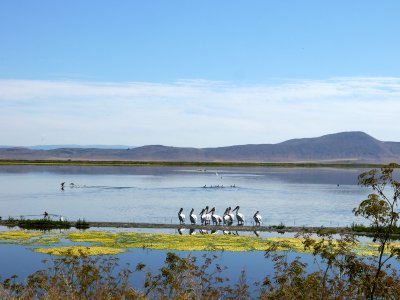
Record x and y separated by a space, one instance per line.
351 147
52 147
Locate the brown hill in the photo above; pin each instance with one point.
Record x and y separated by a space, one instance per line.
340 147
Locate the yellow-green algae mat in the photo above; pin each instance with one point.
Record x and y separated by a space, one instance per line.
80 250
28 238
18 235
102 242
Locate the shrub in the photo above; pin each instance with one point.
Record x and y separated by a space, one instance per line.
82 224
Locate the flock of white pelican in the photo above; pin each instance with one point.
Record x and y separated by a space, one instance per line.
228 218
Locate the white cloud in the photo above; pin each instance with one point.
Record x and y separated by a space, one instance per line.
195 113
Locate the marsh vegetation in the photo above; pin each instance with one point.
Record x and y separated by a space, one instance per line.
39 224
44 224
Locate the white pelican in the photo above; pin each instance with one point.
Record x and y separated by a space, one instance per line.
181 216
257 218
207 216
231 215
239 216
193 217
202 217
227 217
217 220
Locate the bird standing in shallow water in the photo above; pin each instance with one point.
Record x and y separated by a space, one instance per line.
181 216
202 218
257 218
226 217
217 220
206 216
239 216
193 217
231 215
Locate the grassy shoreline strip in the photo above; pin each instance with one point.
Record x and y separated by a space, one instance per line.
67 162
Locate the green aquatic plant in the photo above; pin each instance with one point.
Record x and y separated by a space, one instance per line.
99 237
30 238
18 235
80 250
46 240
209 242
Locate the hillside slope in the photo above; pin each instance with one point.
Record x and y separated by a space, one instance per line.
339 147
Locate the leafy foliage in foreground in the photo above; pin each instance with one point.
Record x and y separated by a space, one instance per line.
85 277
341 276
73 277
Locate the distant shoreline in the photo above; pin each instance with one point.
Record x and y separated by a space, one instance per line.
117 163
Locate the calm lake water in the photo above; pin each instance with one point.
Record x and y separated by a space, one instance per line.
292 196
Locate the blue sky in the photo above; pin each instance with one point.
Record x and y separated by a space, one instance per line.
197 73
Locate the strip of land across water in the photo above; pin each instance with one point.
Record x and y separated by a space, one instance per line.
68 162
272 228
